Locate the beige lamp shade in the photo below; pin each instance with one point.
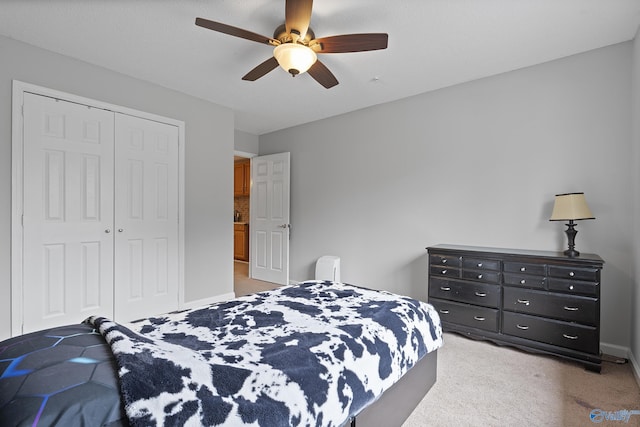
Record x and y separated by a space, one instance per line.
294 58
570 206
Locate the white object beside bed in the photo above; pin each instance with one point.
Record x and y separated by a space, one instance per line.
328 268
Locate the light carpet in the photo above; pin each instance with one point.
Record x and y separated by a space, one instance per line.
482 384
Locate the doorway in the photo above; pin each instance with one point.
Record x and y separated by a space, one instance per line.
241 207
243 284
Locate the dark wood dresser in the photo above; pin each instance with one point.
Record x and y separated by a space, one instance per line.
535 300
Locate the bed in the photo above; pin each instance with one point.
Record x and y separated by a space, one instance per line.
314 354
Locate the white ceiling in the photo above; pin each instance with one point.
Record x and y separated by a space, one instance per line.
432 44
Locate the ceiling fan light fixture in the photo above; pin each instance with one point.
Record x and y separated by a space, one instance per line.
294 58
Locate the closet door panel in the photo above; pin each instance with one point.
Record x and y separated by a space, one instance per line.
146 223
68 212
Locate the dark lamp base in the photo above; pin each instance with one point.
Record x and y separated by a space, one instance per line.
571 236
571 253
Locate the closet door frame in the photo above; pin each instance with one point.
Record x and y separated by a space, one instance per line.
18 90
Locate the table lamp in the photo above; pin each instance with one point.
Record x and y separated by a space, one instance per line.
571 207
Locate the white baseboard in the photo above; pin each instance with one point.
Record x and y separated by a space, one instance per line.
615 350
635 367
207 301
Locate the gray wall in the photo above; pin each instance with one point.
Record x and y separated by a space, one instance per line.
477 164
209 154
635 308
246 142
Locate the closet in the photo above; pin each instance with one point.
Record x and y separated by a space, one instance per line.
100 220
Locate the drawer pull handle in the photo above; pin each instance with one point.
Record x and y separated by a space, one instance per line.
445 288
443 272
523 301
479 318
481 294
571 274
524 328
444 311
522 282
523 268
571 308
444 261
479 276
570 287
570 337
479 264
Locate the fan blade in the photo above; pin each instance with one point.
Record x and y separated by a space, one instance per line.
298 16
322 75
350 43
261 69
235 31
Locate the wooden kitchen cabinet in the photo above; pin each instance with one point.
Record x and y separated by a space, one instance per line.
242 178
241 242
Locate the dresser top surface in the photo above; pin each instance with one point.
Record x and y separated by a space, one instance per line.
583 257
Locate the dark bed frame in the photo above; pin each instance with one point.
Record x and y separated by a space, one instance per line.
398 402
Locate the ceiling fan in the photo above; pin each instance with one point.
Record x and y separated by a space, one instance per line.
295 45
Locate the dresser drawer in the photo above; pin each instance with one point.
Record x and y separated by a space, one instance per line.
575 273
524 268
445 260
481 264
467 315
440 271
474 293
554 332
558 306
524 280
574 286
482 276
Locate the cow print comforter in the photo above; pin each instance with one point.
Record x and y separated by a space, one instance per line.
313 354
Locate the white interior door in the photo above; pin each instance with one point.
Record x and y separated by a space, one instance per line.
68 212
146 219
269 224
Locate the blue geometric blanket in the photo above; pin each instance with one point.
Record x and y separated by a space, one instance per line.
313 354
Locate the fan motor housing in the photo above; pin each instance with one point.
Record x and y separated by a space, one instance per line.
281 34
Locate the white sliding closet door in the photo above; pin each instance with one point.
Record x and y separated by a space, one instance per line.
146 224
68 212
